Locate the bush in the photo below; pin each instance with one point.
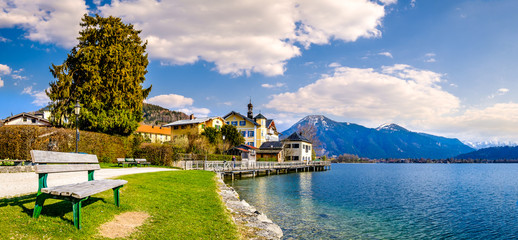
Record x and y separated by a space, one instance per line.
267 159
17 141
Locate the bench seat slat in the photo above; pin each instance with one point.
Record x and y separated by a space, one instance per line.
84 189
66 168
39 156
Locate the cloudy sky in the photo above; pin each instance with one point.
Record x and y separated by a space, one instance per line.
441 67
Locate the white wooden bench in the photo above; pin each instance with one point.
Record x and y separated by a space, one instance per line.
142 161
58 162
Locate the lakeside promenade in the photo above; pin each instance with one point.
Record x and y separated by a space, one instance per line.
233 168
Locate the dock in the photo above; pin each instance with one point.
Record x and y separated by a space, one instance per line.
238 168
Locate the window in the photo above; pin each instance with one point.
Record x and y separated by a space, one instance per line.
288 145
295 158
250 133
25 119
234 123
288 158
218 127
228 123
203 126
243 133
33 120
183 127
251 144
175 127
242 123
295 145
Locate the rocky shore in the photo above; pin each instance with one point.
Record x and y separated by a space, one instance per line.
251 223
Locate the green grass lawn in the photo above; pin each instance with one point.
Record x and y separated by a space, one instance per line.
182 205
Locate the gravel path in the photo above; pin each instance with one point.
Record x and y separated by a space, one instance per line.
14 184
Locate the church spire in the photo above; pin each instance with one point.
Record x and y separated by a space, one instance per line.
250 109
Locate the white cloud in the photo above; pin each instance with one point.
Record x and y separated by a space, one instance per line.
277 85
46 21
398 92
40 97
430 57
386 54
2 39
5 70
499 92
242 37
412 3
171 101
1 82
334 65
388 2
198 112
498 122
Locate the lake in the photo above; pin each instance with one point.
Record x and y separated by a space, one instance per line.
390 201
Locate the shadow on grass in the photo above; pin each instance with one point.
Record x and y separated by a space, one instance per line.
57 209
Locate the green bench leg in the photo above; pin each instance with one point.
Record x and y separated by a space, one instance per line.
76 208
40 200
116 196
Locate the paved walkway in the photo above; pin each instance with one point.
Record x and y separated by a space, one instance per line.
14 184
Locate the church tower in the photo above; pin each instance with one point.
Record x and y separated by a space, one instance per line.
250 110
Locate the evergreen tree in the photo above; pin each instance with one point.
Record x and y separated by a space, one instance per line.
232 135
105 73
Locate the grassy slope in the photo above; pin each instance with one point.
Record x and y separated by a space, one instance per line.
182 205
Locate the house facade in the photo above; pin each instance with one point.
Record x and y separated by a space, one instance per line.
194 125
256 130
271 151
156 134
297 148
26 119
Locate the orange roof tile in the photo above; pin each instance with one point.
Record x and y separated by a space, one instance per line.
154 129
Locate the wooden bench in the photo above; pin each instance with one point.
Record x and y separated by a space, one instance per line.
142 161
132 161
57 162
126 161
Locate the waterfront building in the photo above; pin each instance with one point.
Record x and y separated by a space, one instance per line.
297 148
155 134
271 151
26 119
194 125
256 130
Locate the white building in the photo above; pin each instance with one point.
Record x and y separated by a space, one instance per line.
26 119
297 148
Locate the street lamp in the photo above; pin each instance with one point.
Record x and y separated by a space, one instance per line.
77 109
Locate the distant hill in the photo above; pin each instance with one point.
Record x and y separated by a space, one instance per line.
492 153
386 141
156 115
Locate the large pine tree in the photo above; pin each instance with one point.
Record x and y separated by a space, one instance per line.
105 73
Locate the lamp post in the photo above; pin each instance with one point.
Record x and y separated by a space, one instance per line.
77 109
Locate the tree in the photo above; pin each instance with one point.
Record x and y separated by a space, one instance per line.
232 135
212 134
105 73
309 131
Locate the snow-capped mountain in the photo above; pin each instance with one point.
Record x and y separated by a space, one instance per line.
487 144
386 141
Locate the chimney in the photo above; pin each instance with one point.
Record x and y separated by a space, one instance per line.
191 117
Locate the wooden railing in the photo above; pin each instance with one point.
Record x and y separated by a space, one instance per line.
221 166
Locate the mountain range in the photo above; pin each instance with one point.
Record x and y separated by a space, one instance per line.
492 153
386 141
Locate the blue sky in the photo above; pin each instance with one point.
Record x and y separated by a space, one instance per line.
441 67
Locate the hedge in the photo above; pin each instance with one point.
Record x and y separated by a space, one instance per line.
17 141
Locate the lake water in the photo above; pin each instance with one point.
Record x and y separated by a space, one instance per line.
391 201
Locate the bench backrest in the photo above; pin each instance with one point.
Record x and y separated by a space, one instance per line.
63 162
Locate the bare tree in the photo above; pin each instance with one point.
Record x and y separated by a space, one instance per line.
309 131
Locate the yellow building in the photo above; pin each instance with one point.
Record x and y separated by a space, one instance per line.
256 130
197 125
155 133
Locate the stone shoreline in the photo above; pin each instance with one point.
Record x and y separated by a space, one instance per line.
251 223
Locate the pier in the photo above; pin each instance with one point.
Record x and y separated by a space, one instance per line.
238 168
